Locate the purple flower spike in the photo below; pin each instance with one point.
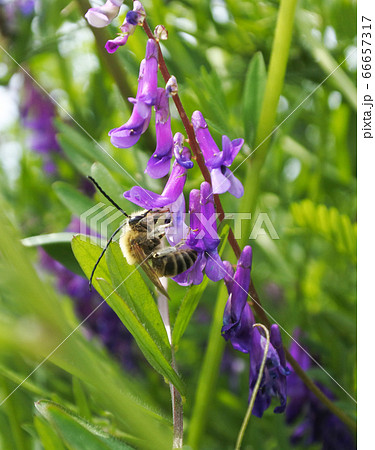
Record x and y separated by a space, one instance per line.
238 288
133 18
128 134
159 164
238 327
102 16
172 191
218 161
182 154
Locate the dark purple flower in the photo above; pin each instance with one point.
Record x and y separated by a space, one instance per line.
238 327
113 44
102 16
133 18
159 164
318 424
181 153
273 382
128 134
203 238
218 161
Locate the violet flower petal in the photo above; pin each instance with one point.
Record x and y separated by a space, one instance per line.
102 16
128 134
159 164
182 154
236 187
149 200
113 44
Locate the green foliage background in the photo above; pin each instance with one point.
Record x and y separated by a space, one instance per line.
219 53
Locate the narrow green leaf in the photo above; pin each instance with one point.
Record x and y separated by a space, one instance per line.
87 254
58 246
130 285
81 399
17 378
145 342
114 189
83 151
48 436
186 311
255 84
77 432
76 202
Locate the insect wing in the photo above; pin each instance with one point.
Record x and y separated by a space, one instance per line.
148 269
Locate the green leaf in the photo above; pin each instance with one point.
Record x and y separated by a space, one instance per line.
130 285
110 186
76 431
81 398
20 379
328 223
87 254
253 95
76 202
58 246
145 342
186 311
84 151
192 297
47 435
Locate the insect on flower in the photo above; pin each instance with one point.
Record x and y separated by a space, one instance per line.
141 243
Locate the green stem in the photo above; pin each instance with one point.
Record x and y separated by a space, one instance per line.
256 388
325 60
274 85
319 394
177 406
209 373
14 421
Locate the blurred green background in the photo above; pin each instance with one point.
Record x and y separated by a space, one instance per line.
219 51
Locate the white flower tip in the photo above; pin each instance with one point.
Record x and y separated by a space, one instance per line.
172 86
96 18
161 33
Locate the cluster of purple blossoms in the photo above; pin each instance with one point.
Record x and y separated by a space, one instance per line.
202 234
103 15
37 113
318 424
239 328
104 323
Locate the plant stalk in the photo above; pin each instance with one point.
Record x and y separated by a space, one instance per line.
256 389
177 407
209 373
274 85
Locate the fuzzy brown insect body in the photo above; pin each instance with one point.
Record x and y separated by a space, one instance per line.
141 243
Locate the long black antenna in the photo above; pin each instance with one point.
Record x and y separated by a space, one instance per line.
102 253
107 196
